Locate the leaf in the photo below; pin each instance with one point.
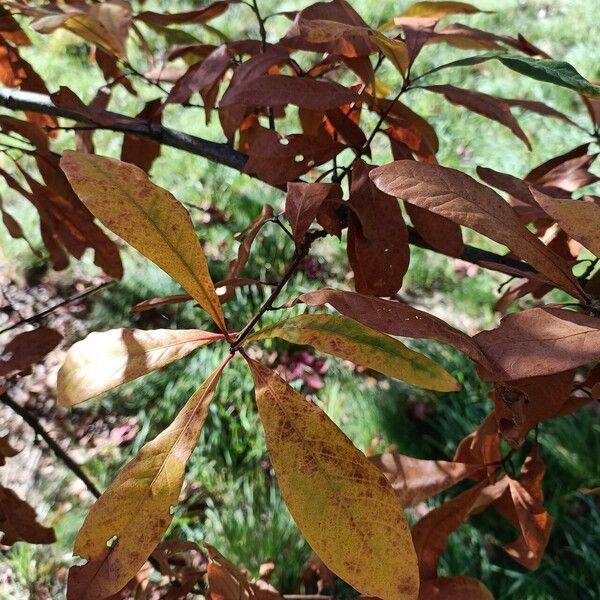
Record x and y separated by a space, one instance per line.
580 219
147 217
348 339
551 71
522 505
540 341
461 199
18 521
28 348
394 50
454 588
481 447
198 15
135 511
160 301
416 480
106 24
279 90
437 9
440 233
491 107
143 151
236 266
430 534
343 505
377 242
395 318
302 204
104 360
6 450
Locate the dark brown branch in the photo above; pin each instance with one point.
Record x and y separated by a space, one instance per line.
216 152
61 454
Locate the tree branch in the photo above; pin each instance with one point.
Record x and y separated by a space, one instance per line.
220 153
61 454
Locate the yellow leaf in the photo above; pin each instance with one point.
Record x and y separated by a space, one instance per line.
437 10
350 340
146 216
394 50
104 360
343 505
129 519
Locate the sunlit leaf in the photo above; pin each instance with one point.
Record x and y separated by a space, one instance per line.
460 198
348 339
147 217
104 360
454 588
126 523
343 505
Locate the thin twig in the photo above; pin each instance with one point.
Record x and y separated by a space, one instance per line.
61 454
47 311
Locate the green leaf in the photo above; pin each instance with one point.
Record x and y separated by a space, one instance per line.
348 339
556 72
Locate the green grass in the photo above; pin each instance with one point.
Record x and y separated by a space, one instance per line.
232 497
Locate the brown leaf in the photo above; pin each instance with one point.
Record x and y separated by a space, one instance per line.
278 159
249 235
347 128
524 403
481 447
540 341
430 534
440 233
483 104
416 480
569 175
302 204
395 318
28 348
154 302
338 11
279 90
198 15
143 151
529 515
378 242
461 36
454 588
18 521
580 219
6 450
10 30
460 198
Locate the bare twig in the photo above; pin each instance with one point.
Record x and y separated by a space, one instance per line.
61 454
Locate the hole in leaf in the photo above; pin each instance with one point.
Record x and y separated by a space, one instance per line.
299 158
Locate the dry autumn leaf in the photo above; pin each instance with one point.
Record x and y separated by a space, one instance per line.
461 199
454 588
416 480
126 523
348 339
147 217
104 360
343 505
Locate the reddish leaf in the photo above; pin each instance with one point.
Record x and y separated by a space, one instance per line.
18 521
378 243
540 341
440 233
6 450
154 302
458 197
143 151
454 588
395 318
277 160
279 90
569 175
302 204
483 104
338 11
461 36
347 128
28 348
430 534
416 480
199 15
482 447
